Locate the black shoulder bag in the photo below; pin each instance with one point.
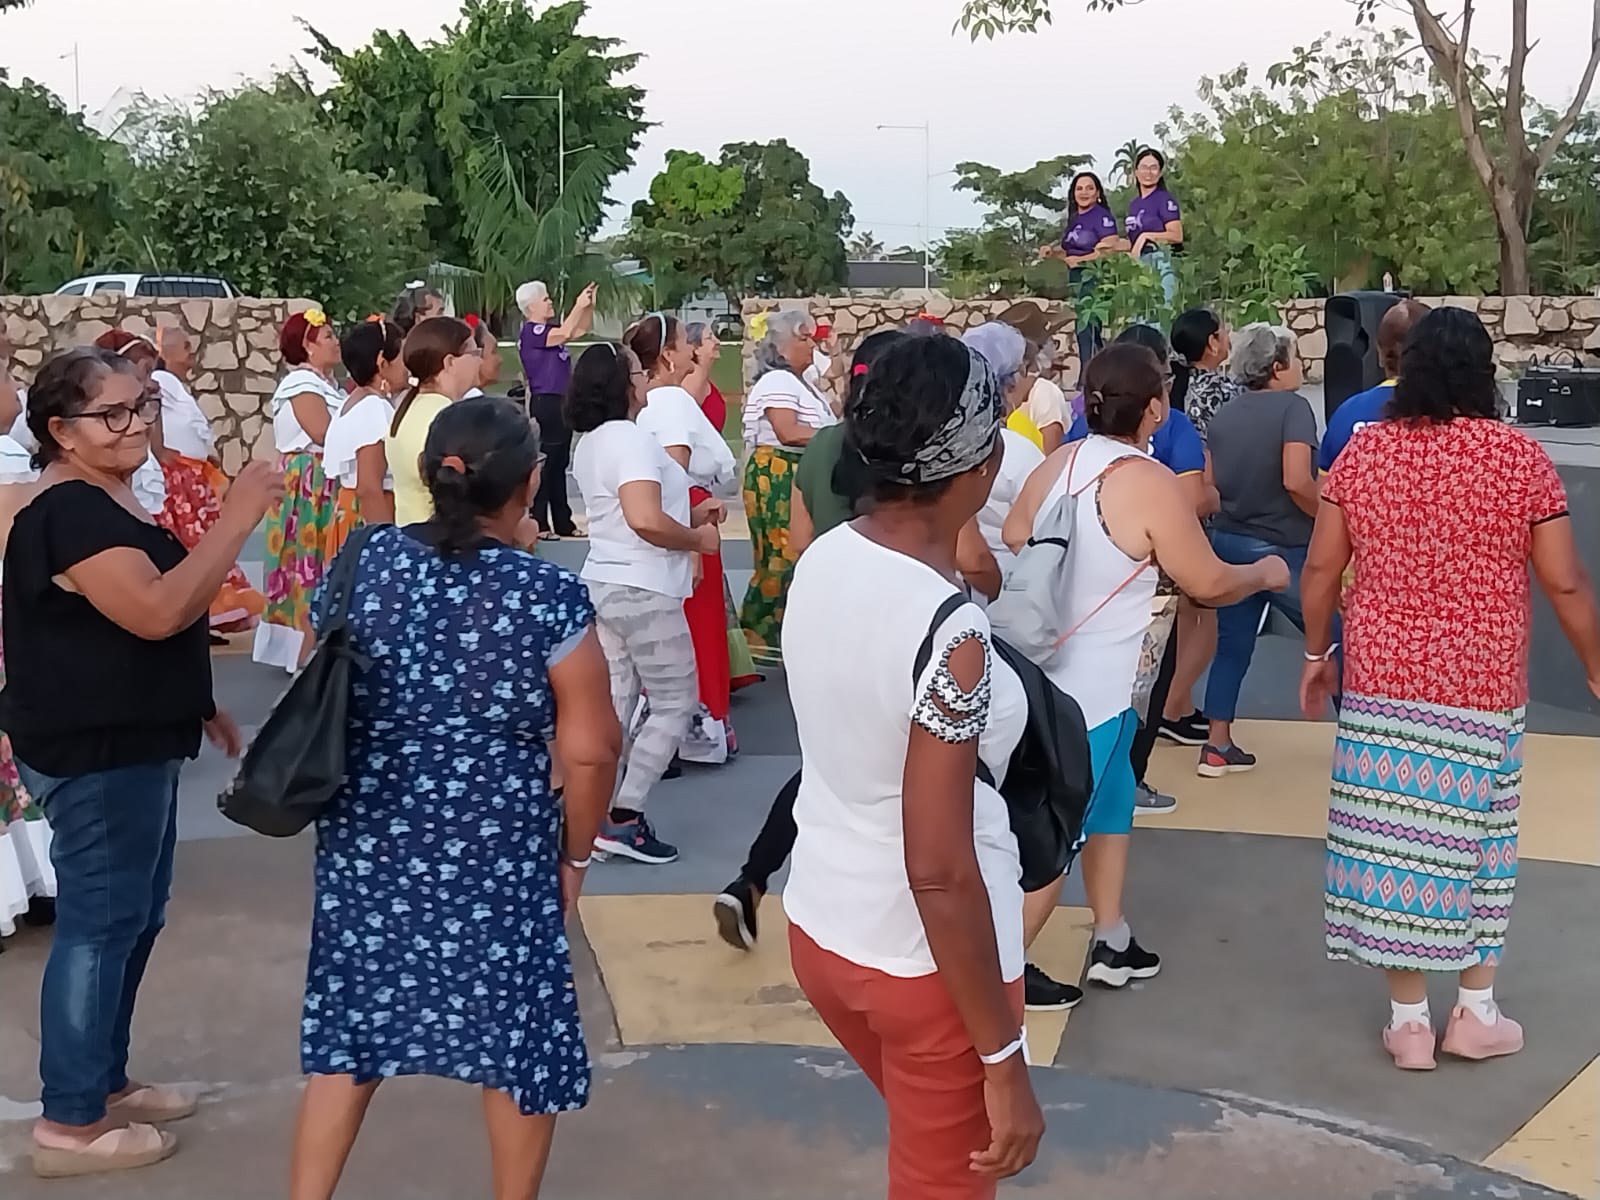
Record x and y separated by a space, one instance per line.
1050 777
296 763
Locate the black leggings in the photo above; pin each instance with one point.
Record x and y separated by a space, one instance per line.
1144 740
775 842
550 506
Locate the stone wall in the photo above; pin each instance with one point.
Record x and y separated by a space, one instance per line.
236 351
1523 327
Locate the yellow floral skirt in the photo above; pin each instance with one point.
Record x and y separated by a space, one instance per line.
768 488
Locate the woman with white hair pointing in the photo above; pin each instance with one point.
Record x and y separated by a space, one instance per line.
546 365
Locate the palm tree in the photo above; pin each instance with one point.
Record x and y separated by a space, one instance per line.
1127 159
864 247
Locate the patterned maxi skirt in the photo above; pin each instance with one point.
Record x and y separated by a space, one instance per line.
768 488
346 516
297 533
25 870
194 494
1422 834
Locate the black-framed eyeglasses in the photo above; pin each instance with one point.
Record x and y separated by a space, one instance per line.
119 417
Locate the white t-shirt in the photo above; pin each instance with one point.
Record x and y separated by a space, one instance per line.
354 429
1047 405
620 452
184 427
786 390
672 417
821 364
1018 458
849 657
287 433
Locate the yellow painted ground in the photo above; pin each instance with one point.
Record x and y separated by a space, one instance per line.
673 981
1559 1146
1287 794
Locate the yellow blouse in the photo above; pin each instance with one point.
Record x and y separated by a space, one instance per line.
412 503
1019 422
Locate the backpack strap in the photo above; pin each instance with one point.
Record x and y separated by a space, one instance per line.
1139 567
342 578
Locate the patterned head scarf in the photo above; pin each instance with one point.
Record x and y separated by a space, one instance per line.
966 440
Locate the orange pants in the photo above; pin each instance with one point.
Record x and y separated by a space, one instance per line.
906 1035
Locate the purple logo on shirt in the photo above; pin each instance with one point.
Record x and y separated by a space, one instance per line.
1152 213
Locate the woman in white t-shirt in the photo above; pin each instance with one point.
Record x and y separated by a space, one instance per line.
673 417
297 529
643 536
353 451
781 413
904 906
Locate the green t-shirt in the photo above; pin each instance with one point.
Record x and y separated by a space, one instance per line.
814 478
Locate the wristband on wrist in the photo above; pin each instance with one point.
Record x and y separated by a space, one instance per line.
1000 1056
1325 656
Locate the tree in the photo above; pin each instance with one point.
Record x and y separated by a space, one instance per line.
1127 159
1493 123
1348 155
250 188
57 202
1024 211
864 247
432 117
752 224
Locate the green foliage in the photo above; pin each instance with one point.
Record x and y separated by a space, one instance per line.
1564 234
57 203
250 188
1023 212
776 234
1348 156
432 117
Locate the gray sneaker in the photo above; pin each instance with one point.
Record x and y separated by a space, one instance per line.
1148 800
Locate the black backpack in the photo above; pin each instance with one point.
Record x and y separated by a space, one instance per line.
1050 777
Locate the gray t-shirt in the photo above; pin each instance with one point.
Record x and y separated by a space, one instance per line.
1246 438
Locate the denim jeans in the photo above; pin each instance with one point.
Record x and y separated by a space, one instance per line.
113 838
1238 624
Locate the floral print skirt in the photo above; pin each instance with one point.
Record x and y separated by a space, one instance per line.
768 493
346 516
194 501
297 533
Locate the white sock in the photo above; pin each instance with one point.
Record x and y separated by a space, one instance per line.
1404 1014
1116 936
1480 1003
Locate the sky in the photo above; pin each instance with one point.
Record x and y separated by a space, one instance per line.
821 73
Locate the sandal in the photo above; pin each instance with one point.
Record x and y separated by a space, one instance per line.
153 1104
117 1150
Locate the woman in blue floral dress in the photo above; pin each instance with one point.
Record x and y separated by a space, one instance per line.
444 866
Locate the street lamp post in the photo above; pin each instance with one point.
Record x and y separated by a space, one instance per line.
927 201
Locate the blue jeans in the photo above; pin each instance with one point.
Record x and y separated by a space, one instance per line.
1238 624
113 837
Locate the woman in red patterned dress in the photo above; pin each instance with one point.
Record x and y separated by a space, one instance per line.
1441 508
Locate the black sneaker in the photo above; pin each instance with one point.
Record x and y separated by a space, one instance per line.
1185 731
735 910
1116 968
1043 994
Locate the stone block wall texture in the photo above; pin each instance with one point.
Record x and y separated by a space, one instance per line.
1524 328
236 352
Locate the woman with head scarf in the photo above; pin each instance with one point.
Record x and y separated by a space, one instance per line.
926 996
782 412
305 403
1445 512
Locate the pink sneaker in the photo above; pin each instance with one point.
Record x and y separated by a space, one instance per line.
1468 1037
1411 1046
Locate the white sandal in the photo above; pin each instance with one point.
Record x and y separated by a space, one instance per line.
116 1150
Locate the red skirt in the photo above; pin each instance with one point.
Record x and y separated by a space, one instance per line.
194 493
708 629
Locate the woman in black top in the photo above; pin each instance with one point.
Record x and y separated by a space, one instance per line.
107 692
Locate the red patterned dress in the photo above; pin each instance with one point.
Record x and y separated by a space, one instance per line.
1422 817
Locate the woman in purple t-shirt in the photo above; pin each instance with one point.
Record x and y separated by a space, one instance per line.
542 346
1155 226
1091 233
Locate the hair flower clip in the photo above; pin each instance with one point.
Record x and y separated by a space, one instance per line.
316 318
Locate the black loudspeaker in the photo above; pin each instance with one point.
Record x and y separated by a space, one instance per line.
1351 321
1555 394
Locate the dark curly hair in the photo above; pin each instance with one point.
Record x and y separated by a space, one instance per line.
850 477
63 388
1119 385
599 389
497 448
906 397
366 345
1446 370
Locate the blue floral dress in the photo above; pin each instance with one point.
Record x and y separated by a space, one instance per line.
437 943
